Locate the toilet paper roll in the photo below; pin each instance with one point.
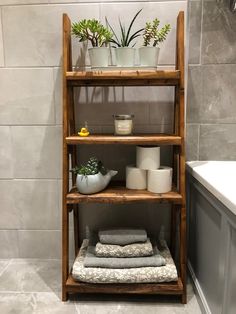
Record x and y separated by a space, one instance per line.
136 178
148 157
160 180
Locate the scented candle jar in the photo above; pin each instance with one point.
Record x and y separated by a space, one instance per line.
123 124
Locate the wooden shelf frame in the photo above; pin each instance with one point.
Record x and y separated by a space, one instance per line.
123 78
118 194
71 199
174 288
137 139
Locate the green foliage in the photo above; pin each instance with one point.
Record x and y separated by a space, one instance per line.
152 35
126 38
93 166
93 31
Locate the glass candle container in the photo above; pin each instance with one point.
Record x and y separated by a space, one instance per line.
123 124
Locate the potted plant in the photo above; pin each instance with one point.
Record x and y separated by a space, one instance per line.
152 36
92 177
99 36
125 55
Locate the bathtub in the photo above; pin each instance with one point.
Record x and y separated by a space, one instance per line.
211 222
219 177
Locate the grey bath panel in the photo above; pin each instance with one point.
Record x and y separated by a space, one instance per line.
230 306
208 225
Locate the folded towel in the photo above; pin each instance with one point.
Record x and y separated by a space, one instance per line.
129 250
122 236
102 276
91 260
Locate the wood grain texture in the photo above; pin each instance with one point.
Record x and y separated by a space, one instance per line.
124 78
180 47
120 194
180 63
175 288
139 139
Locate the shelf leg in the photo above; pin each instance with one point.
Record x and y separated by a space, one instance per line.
183 252
174 213
64 295
76 228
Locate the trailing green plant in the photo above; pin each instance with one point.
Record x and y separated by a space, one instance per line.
93 31
126 38
93 166
152 35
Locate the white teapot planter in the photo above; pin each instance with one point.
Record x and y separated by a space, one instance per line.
91 184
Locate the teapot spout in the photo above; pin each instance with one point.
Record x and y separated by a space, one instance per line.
112 173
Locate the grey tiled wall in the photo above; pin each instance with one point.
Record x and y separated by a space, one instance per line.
211 93
31 118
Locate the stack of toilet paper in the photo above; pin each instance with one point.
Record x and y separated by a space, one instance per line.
148 174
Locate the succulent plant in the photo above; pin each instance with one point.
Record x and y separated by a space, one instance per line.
93 31
152 35
93 166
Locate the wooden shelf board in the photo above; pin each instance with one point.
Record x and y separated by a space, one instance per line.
120 194
124 77
141 139
175 288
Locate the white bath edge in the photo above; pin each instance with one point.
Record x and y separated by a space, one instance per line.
218 178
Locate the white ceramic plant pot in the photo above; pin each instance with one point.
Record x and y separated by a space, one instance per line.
148 56
125 56
160 180
99 56
94 183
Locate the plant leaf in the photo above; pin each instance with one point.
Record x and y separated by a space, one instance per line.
131 24
136 34
117 40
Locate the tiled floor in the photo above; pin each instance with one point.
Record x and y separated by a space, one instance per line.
29 286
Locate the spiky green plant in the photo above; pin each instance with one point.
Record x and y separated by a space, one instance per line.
93 166
93 31
152 35
126 38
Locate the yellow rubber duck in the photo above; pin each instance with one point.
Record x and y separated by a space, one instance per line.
83 132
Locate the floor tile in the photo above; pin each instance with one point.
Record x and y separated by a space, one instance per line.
3 265
34 303
31 276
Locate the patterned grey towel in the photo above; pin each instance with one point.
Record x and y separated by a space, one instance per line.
129 250
165 273
91 260
122 236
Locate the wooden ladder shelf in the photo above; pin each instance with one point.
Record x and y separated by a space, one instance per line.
118 193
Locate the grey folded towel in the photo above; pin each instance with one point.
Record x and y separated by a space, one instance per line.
91 260
129 250
122 236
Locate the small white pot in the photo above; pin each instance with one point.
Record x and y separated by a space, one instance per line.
125 56
148 56
94 183
99 56
160 180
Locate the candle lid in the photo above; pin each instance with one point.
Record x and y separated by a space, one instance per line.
123 116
